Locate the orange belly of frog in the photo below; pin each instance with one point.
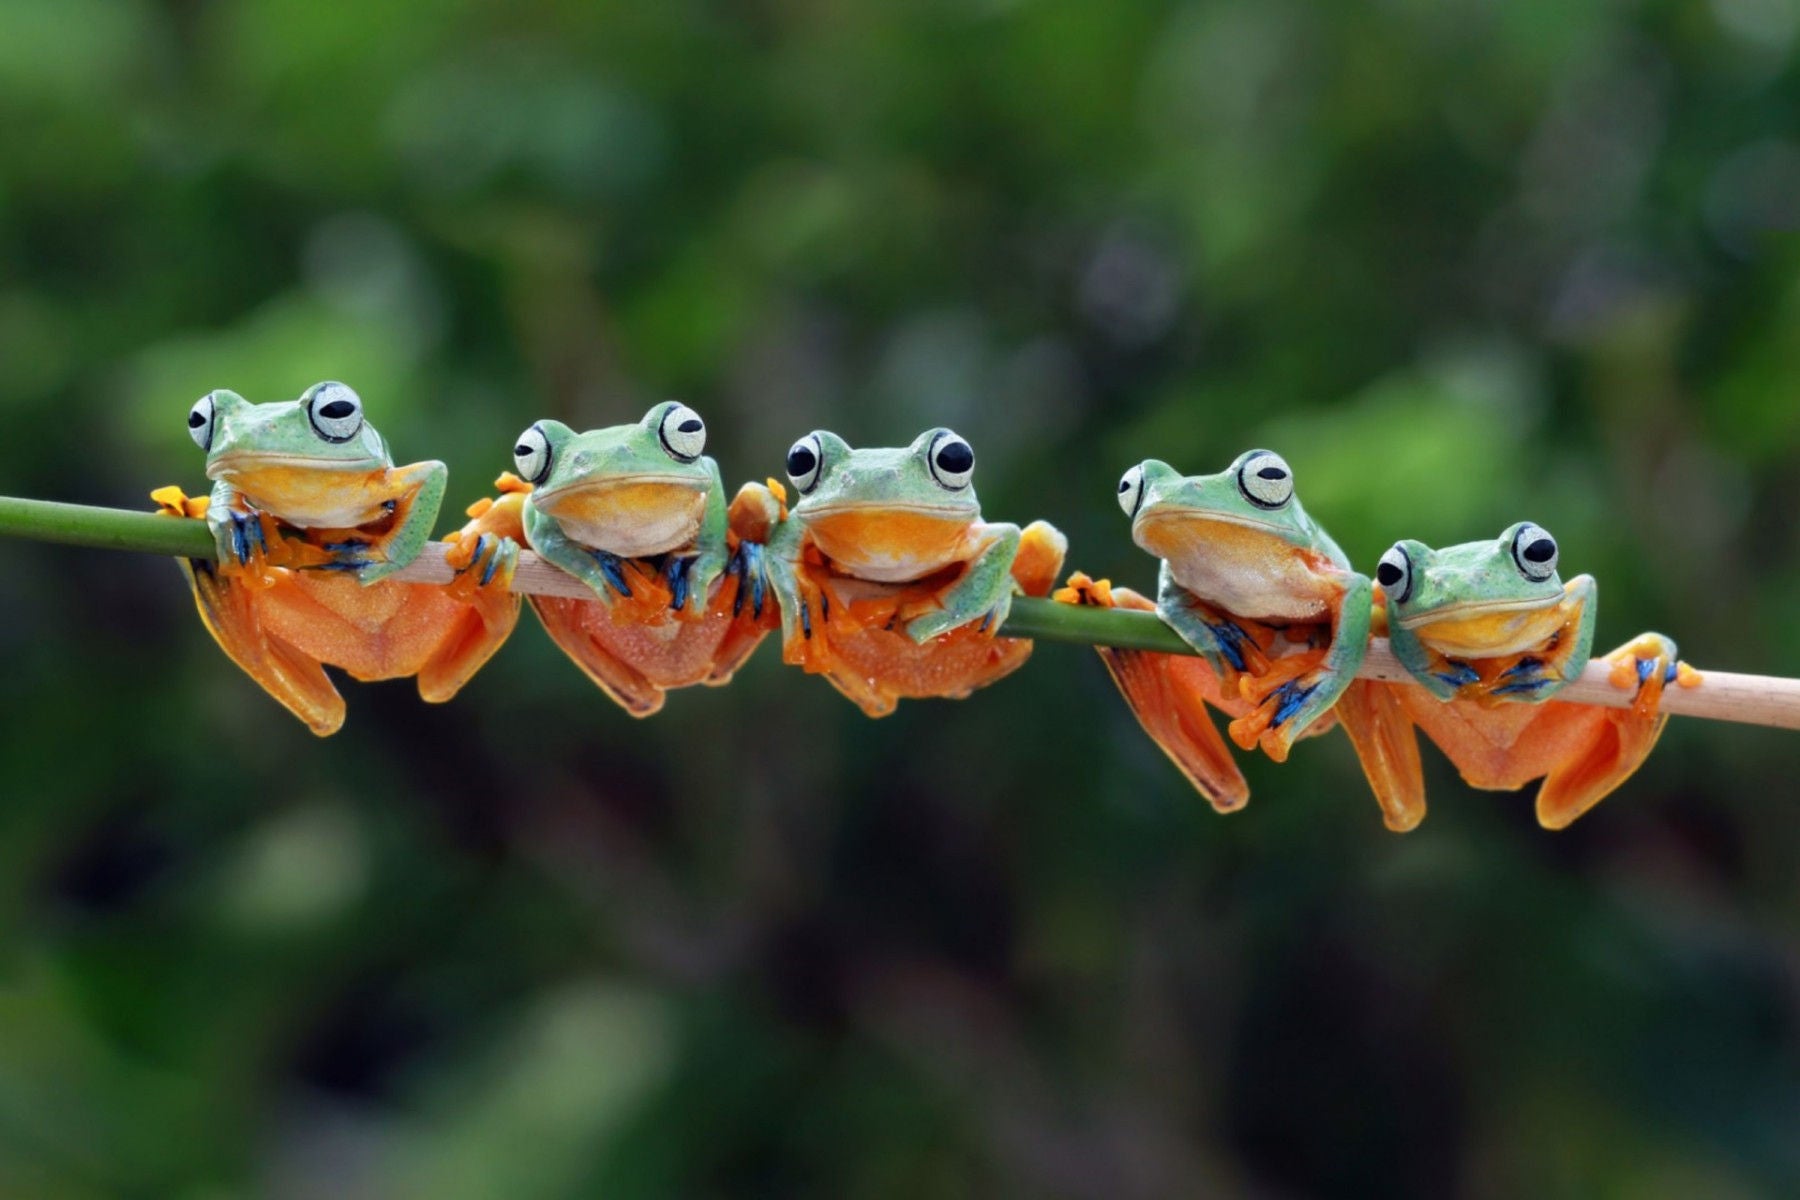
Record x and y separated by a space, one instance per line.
854 629
284 626
889 545
639 647
384 631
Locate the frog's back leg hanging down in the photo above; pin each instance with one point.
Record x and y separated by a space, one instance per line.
1169 695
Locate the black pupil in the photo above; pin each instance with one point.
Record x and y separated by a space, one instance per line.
196 419
1124 486
1541 551
1271 473
337 410
956 458
691 425
1388 574
801 460
521 450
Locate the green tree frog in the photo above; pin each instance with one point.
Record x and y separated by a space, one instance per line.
311 516
1491 634
1256 587
638 513
890 583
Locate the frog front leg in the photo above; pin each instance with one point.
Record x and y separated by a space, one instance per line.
781 567
1286 712
603 572
691 576
984 592
240 531
1539 677
421 486
1228 650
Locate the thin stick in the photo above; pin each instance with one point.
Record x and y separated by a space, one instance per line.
1721 696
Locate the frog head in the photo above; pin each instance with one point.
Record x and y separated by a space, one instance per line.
290 457
630 490
887 515
1239 537
1479 599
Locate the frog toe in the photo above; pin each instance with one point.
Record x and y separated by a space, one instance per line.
678 574
922 629
753 579
612 574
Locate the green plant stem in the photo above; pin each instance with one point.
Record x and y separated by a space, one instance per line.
104 528
151 533
1752 699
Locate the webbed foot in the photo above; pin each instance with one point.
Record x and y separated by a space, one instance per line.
1621 739
1288 700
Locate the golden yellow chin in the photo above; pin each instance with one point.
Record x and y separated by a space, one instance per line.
1180 535
631 518
890 545
1491 634
312 496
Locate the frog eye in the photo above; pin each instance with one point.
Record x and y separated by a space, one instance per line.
531 455
1265 479
805 459
1131 490
952 461
683 433
1534 550
200 421
1395 574
334 410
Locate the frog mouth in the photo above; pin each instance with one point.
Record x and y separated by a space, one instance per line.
614 483
1477 608
245 462
629 515
945 512
1208 516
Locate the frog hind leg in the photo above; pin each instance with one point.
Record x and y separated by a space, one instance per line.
1168 694
298 682
1388 748
487 612
1622 738
566 620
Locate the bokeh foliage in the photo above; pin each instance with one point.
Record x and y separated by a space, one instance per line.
1462 261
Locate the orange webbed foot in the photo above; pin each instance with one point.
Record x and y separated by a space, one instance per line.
1621 739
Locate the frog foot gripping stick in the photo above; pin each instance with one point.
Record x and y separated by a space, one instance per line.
311 516
890 583
1491 634
638 513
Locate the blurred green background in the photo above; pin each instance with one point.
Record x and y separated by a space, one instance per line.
1461 261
